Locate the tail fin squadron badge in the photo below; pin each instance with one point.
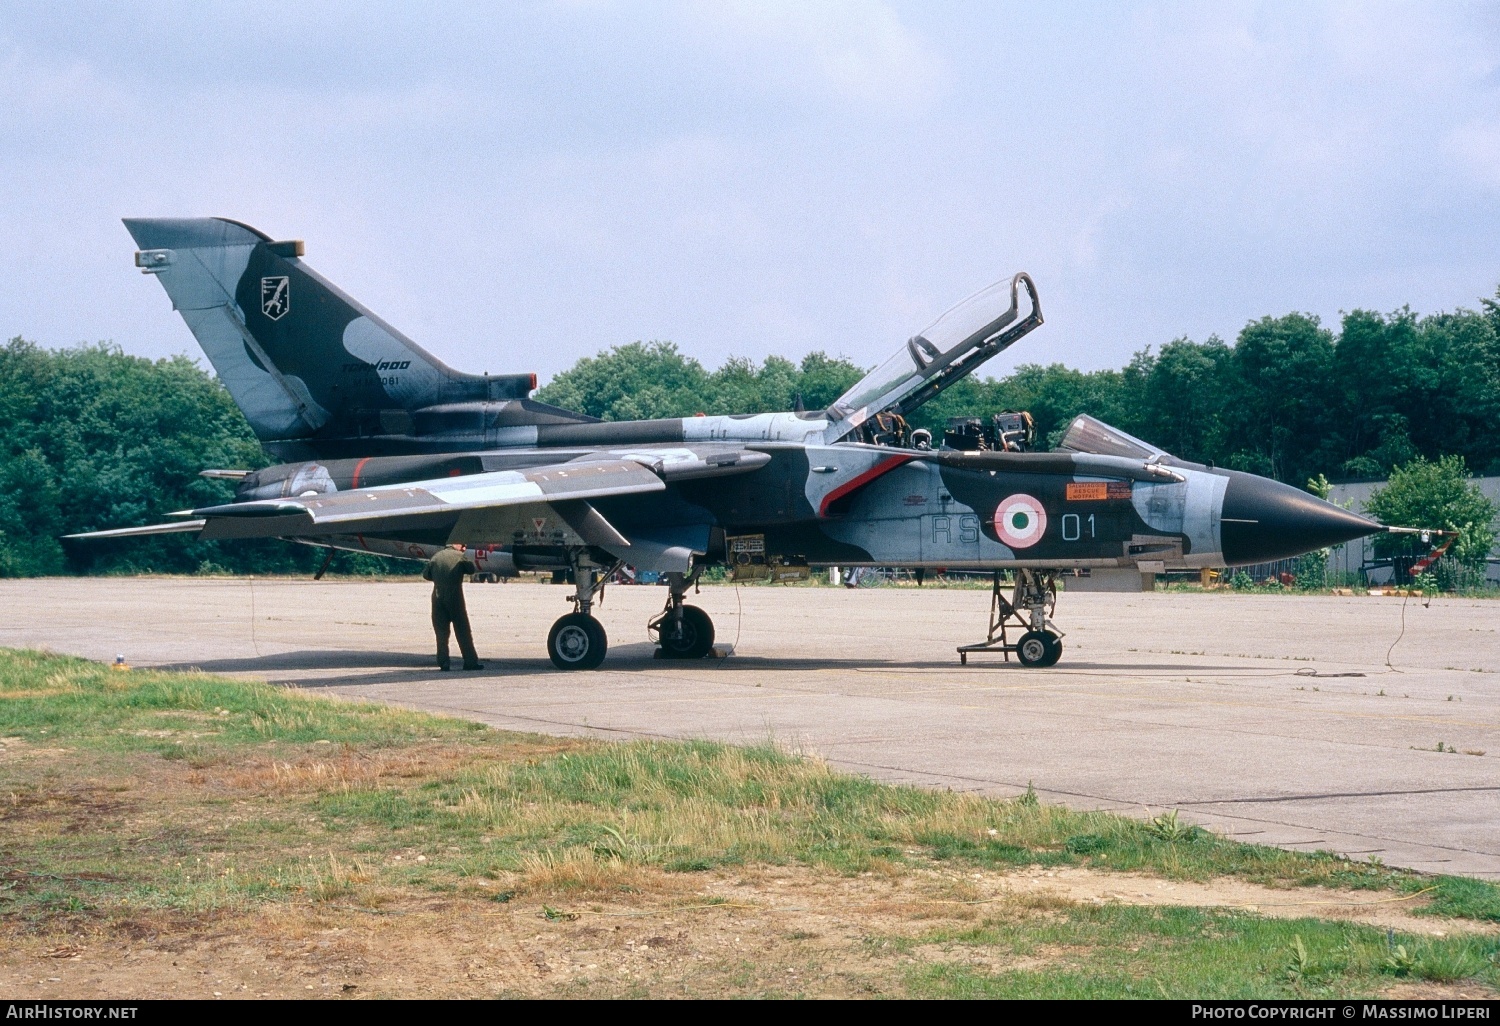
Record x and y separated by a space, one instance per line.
275 297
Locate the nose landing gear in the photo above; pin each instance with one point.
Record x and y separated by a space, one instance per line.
1029 609
1038 648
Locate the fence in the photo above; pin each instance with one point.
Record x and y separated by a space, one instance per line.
1317 570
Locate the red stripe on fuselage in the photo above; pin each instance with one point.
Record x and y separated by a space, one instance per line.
358 469
887 464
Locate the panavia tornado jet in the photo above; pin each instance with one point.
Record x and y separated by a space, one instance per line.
385 449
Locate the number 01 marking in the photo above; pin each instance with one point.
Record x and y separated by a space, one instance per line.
1072 526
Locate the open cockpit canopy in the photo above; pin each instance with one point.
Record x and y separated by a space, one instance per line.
950 349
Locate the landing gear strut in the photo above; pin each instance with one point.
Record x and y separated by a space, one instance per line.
1029 609
682 631
577 641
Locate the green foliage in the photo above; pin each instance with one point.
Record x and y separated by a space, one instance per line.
1462 896
644 380
1434 494
1290 398
631 382
1054 395
305 800
1124 951
1312 570
1399 961
91 438
1301 967
1181 397
1280 363
1451 575
42 695
1086 844
1170 829
825 378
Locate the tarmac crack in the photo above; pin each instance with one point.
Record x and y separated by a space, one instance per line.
1332 794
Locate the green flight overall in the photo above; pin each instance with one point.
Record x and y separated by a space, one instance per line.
446 570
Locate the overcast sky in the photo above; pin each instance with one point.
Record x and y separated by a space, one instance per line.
516 190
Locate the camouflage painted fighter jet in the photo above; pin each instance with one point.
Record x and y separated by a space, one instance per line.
386 450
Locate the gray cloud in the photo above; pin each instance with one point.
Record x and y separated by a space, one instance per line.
516 189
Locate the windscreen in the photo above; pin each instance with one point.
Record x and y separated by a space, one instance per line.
1087 434
970 323
883 380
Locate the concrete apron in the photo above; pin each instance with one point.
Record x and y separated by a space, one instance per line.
1260 716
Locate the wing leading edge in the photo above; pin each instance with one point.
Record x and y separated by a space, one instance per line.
470 507
395 507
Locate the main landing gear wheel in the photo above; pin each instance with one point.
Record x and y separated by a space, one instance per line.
695 639
1039 648
577 642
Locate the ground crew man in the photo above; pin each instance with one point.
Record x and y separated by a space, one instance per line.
446 570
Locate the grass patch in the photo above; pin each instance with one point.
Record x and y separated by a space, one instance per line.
100 709
1461 897
1118 952
128 797
469 801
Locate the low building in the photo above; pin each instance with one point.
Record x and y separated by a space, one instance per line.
1359 555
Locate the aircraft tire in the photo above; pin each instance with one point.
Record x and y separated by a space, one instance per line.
697 636
1054 649
1034 648
577 642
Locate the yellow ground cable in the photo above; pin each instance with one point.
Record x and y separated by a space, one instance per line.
1343 904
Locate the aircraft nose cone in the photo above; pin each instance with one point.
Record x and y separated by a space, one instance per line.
1265 520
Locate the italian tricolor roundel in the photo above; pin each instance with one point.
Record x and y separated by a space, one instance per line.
1020 521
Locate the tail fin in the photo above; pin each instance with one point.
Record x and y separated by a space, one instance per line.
302 359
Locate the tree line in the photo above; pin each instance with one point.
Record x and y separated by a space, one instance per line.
1290 399
92 438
